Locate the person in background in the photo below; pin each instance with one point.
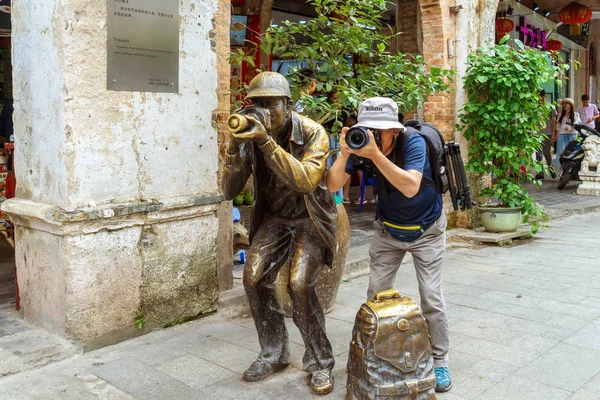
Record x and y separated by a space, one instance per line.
547 143
588 112
309 85
346 189
348 118
565 133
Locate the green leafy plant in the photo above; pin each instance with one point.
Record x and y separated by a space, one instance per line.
346 46
502 118
139 320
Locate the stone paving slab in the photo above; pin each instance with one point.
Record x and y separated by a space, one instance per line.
25 347
503 238
514 387
142 381
591 390
524 324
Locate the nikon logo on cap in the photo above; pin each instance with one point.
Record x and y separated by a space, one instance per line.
378 113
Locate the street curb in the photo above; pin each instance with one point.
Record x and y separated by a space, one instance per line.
563 214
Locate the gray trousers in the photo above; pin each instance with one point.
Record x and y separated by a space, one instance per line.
428 255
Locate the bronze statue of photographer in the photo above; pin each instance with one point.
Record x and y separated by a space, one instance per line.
293 223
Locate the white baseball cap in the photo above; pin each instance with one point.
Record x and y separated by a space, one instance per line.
378 113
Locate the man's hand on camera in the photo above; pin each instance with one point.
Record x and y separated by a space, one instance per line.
344 150
371 150
257 133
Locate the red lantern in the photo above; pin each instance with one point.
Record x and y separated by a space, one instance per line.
553 45
574 15
503 26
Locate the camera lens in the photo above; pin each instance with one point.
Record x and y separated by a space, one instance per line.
357 138
263 116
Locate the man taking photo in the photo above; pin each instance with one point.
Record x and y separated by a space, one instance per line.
411 217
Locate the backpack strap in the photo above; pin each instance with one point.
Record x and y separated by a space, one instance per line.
412 129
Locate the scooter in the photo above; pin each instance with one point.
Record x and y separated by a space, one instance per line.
571 158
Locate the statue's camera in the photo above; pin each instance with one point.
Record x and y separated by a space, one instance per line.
239 123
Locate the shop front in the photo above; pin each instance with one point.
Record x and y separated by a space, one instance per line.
540 25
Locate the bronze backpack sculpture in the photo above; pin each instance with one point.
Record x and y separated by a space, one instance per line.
390 353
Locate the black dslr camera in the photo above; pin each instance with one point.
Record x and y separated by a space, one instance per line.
357 138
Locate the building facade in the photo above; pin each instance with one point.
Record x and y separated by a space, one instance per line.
118 212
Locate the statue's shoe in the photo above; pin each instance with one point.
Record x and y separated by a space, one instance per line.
321 382
259 370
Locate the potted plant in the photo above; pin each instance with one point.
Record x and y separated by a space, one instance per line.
501 121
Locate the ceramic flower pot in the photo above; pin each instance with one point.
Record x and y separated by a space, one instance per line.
500 219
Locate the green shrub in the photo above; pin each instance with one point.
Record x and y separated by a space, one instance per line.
502 118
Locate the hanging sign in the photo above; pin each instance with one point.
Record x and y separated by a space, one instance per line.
143 45
530 35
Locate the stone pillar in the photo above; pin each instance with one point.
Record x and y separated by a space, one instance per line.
117 192
590 168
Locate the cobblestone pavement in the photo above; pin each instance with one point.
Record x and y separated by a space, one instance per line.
524 322
560 203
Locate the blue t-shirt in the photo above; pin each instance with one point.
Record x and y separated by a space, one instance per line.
422 209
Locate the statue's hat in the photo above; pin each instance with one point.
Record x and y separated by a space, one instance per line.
269 84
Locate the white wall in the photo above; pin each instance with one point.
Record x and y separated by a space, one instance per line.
116 146
38 101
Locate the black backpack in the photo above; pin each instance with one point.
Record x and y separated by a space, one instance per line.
435 153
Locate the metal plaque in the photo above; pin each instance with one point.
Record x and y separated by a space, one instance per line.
143 45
